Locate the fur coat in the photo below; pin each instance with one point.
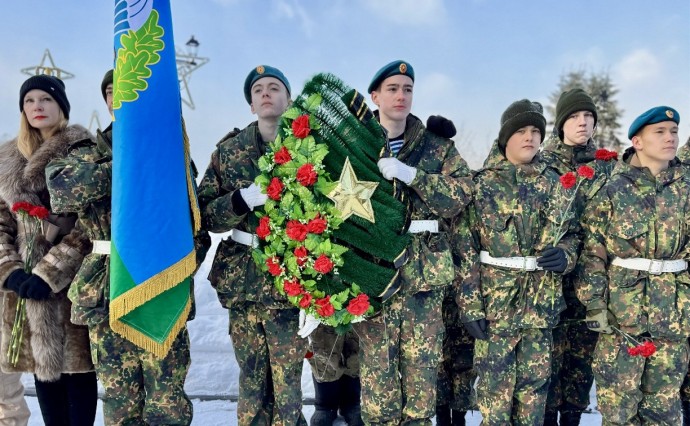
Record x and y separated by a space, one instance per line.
51 344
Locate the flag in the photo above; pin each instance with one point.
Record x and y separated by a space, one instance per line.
154 210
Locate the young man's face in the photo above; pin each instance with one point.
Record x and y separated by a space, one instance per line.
657 142
109 97
394 97
269 98
578 128
523 145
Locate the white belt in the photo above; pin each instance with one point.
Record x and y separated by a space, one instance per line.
244 238
101 247
528 263
419 226
653 266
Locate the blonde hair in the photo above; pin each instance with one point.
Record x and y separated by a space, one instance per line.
29 138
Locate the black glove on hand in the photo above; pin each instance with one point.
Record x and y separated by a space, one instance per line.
35 288
15 280
441 126
477 329
553 259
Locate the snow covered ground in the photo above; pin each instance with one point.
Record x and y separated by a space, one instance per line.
213 378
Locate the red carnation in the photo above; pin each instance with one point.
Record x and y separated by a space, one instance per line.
305 301
263 230
282 156
317 225
324 307
647 349
22 206
39 212
308 355
568 180
586 172
274 189
605 155
301 255
359 305
292 287
300 127
274 267
323 264
306 175
295 230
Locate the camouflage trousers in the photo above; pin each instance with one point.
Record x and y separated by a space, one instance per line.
514 370
571 367
456 375
270 355
633 390
333 355
400 350
140 388
685 388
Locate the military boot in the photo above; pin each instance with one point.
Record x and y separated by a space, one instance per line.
570 418
443 415
350 409
551 418
458 418
686 412
325 403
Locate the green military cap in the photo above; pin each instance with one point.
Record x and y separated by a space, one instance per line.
653 116
394 68
260 72
107 79
520 114
571 101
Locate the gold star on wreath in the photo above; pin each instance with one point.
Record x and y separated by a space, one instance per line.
353 196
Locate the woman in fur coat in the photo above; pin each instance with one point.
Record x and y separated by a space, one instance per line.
52 348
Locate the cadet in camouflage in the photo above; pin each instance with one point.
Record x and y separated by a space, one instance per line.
139 387
510 293
401 348
636 282
569 147
263 325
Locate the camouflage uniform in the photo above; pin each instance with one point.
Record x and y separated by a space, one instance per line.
333 355
512 216
401 348
573 342
139 387
263 325
684 156
636 215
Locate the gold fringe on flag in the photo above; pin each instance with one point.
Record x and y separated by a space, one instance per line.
193 203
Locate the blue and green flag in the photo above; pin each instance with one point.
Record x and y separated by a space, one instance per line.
154 211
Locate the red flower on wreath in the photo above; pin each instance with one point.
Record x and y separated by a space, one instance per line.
274 189
586 172
274 267
305 301
300 127
317 225
605 155
296 230
306 175
263 230
282 156
568 180
324 307
301 255
323 264
359 305
292 287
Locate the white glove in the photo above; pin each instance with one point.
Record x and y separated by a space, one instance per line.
393 168
253 196
307 324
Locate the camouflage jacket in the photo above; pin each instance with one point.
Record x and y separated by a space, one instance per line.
234 165
684 154
514 215
81 183
564 159
441 189
638 215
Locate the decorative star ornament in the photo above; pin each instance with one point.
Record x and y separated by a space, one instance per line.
47 69
353 196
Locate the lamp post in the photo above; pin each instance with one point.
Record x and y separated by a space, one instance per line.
188 62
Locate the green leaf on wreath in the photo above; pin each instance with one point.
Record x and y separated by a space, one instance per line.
341 329
292 113
311 243
338 249
354 289
325 187
313 102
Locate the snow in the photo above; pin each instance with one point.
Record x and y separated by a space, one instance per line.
212 382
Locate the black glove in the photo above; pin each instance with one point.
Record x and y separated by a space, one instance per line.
35 288
441 126
15 280
477 329
553 259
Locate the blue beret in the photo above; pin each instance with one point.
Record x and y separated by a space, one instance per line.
653 116
394 68
260 72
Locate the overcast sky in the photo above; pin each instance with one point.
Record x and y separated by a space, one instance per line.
472 58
